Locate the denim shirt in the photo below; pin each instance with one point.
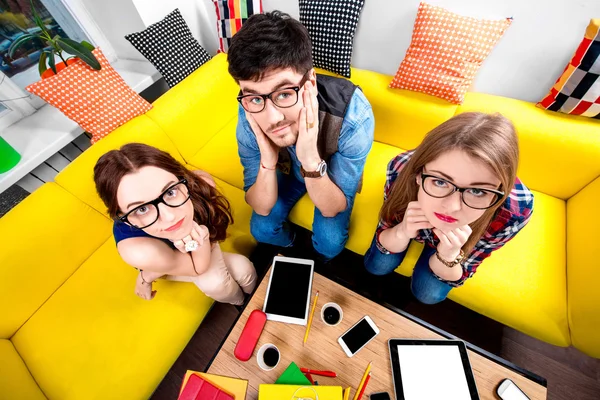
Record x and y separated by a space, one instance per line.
345 167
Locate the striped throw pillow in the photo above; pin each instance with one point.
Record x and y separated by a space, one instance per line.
577 91
231 15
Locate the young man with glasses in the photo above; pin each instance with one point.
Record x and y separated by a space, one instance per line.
458 194
296 133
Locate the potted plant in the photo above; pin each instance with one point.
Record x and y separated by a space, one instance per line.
55 46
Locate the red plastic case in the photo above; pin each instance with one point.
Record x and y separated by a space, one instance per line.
250 334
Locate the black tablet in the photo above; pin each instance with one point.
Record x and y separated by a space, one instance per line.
432 370
288 293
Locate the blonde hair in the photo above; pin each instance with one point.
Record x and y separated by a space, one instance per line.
489 138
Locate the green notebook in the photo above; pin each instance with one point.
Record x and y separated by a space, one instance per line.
292 376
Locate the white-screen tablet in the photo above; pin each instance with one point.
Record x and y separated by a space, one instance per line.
288 293
432 370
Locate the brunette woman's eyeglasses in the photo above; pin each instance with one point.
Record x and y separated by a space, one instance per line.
148 213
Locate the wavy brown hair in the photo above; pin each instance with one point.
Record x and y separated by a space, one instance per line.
211 208
489 138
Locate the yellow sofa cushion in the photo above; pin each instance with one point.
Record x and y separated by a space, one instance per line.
583 249
15 380
559 153
365 214
239 240
95 339
198 107
44 240
219 156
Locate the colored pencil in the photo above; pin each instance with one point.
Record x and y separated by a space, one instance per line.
312 313
362 381
347 394
330 374
362 391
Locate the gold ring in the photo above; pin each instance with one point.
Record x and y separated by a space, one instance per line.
310 126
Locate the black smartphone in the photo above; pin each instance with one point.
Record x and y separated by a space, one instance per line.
379 396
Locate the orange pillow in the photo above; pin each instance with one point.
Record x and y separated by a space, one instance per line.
446 52
99 101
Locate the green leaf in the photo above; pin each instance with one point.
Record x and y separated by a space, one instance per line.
42 64
19 42
88 45
38 21
79 50
51 61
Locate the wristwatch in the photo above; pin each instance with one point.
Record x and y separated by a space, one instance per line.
321 171
452 263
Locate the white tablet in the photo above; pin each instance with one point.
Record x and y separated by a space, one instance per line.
432 369
288 293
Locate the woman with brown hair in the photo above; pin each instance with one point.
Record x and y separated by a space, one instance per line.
168 221
457 193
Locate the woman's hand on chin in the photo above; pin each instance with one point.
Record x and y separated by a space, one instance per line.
452 241
198 234
413 221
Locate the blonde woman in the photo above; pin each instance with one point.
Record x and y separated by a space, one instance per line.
457 193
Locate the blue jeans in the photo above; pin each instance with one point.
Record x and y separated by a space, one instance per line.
424 285
329 234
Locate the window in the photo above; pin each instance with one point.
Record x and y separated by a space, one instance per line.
16 20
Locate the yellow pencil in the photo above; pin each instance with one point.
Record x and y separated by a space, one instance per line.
312 313
347 394
362 381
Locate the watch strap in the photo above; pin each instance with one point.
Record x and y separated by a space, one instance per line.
313 174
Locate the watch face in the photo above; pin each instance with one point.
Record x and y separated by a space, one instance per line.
322 168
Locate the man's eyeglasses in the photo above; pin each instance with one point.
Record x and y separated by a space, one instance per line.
282 98
147 214
477 198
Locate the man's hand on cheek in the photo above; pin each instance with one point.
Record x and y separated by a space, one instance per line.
308 129
269 152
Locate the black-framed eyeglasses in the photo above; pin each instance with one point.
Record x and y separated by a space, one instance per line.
147 214
282 98
477 198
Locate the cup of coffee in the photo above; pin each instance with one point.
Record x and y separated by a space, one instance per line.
331 314
268 356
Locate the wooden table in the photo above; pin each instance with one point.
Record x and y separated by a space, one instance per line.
322 352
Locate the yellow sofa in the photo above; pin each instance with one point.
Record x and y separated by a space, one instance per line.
71 327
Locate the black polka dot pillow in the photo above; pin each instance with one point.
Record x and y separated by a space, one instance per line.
331 26
169 45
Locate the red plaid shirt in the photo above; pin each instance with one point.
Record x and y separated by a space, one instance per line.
510 218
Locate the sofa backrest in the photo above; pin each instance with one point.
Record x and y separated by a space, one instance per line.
197 108
402 117
559 153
